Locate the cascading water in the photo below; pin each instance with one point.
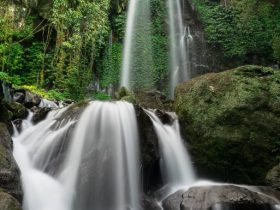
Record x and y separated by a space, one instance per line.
179 59
137 54
176 165
95 169
48 103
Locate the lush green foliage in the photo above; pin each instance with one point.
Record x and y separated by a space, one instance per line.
59 53
101 96
111 65
14 80
242 28
52 94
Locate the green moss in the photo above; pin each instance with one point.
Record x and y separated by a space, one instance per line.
231 120
51 94
17 110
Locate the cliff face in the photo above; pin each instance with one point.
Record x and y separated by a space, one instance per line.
202 57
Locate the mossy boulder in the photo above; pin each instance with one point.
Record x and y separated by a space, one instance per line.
273 177
231 121
18 110
8 202
9 171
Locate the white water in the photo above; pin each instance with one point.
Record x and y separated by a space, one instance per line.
48 103
179 55
176 165
125 78
26 123
97 168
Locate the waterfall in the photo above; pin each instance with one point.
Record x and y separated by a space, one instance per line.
179 60
86 163
176 165
137 54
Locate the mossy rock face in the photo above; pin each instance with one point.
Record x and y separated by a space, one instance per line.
9 171
231 121
7 202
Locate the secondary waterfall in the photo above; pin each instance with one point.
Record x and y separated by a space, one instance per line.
137 54
176 165
95 166
179 55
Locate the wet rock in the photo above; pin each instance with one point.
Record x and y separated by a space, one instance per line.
18 110
9 171
273 177
40 113
18 124
153 100
8 202
31 99
148 203
19 95
173 201
149 152
231 121
226 196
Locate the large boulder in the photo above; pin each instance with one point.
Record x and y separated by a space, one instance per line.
273 177
231 121
215 197
148 203
225 197
9 171
31 99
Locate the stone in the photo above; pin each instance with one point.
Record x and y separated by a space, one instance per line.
31 99
8 202
225 197
173 201
40 113
153 100
217 197
148 203
19 95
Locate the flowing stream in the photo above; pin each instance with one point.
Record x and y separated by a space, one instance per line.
176 166
94 166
